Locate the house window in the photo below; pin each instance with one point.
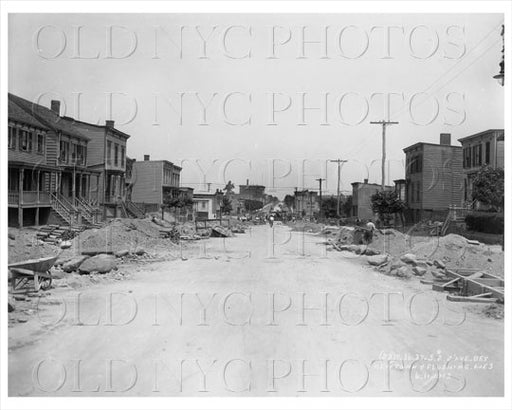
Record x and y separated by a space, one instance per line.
12 137
25 141
479 155
122 156
109 152
40 143
116 154
64 151
487 152
80 154
73 153
418 191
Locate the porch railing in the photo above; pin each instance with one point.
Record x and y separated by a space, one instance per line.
13 198
29 198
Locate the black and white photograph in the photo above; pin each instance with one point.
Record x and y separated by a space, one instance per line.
292 206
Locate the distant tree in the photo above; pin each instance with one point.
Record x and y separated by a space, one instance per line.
289 201
229 187
387 203
489 187
329 207
346 206
225 205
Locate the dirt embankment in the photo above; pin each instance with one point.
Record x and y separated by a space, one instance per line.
454 251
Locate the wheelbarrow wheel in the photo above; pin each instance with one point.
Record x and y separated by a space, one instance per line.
45 283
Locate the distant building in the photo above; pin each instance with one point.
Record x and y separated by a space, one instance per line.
478 150
153 181
206 205
306 203
253 192
361 198
433 175
247 192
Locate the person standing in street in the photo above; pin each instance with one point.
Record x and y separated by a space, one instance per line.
271 220
368 234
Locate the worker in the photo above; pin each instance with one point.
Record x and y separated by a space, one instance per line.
368 234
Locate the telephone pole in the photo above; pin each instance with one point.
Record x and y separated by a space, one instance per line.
384 124
339 162
320 182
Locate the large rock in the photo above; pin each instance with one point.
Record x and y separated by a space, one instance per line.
74 263
371 252
98 264
419 271
439 264
66 244
409 258
140 251
403 272
124 252
356 248
345 235
376 260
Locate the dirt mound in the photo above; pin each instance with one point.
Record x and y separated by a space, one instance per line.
455 251
119 234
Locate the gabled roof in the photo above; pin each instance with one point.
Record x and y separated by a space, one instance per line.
48 118
17 114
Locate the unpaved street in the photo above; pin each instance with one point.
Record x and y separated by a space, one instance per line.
252 316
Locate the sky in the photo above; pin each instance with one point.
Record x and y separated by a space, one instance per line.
269 98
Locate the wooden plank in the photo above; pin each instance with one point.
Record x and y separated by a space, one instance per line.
456 298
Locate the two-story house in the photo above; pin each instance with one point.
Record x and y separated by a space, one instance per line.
433 175
486 148
30 174
361 199
107 158
153 182
63 148
306 203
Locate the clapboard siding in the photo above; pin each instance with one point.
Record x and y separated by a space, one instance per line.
442 183
147 182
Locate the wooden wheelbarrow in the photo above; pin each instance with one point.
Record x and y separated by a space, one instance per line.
36 270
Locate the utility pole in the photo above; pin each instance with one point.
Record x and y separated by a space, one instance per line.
339 162
384 124
320 182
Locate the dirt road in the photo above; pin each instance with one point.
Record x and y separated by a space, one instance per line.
256 316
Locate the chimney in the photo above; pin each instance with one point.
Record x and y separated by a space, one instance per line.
109 123
366 180
146 157
445 139
55 107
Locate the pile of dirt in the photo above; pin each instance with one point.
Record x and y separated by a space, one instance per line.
453 250
24 245
120 234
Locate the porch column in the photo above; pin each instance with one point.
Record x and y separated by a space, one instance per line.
98 188
59 182
73 189
89 188
38 188
20 198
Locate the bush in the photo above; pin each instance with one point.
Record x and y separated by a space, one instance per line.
488 222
